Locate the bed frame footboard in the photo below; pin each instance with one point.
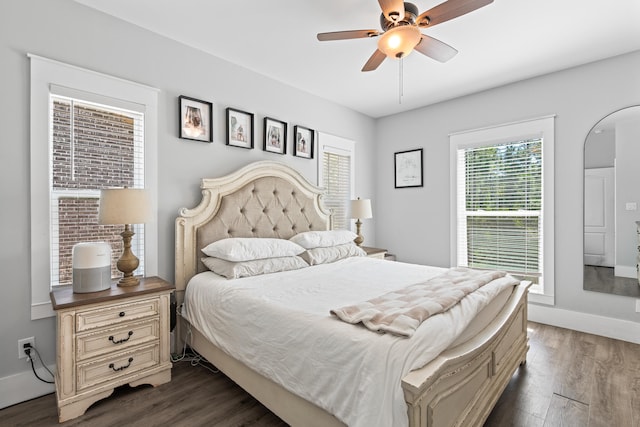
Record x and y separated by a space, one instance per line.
462 385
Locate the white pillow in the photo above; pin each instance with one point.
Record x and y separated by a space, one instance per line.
236 270
323 239
249 248
335 253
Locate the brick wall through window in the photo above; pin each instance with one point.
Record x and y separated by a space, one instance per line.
97 152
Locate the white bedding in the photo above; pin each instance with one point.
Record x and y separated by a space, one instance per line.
279 325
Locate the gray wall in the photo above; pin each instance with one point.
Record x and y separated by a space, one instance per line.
66 31
414 223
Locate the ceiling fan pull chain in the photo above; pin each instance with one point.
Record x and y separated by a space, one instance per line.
400 81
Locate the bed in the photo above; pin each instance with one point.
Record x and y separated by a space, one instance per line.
458 386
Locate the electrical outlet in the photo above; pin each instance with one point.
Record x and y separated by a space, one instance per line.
21 343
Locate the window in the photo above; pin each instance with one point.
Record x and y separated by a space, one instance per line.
88 131
336 177
503 196
92 147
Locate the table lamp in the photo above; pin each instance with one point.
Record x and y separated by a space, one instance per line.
125 206
360 209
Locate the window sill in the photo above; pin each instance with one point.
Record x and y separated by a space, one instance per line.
538 297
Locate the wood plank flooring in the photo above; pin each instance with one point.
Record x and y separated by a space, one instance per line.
570 379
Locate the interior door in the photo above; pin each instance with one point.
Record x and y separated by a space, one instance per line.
599 217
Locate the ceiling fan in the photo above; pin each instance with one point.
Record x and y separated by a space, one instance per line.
400 35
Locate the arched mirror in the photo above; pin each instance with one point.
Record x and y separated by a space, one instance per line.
612 204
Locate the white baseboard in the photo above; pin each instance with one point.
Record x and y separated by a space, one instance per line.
24 386
592 324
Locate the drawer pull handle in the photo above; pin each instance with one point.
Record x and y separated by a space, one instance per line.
122 340
121 314
121 367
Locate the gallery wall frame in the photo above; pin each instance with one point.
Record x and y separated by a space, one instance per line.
239 128
408 168
195 119
275 136
303 142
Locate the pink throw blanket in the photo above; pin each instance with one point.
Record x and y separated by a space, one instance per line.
401 312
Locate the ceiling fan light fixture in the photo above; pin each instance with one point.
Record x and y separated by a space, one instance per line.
398 42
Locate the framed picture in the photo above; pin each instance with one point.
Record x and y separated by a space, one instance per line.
303 142
239 128
275 136
196 119
408 168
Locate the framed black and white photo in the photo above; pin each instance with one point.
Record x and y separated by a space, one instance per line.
196 119
303 142
408 168
275 136
239 128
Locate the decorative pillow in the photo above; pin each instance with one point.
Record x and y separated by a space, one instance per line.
238 249
323 239
236 270
332 254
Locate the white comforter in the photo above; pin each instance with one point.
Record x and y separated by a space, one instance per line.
279 325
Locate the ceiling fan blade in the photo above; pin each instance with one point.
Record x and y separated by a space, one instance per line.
434 48
374 61
393 10
448 10
344 35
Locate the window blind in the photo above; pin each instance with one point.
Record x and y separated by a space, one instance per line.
500 207
337 183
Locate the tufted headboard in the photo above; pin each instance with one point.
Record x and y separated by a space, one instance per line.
263 199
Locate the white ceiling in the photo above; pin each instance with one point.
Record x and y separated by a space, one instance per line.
506 41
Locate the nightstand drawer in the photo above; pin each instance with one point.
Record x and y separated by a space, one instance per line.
93 344
114 314
110 368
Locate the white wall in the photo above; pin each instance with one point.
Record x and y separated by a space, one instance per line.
414 223
66 31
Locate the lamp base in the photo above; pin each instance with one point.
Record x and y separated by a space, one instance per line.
128 262
360 239
126 282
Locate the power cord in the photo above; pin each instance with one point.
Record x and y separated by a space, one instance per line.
27 351
192 356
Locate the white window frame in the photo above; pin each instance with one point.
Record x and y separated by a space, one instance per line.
49 75
542 127
328 143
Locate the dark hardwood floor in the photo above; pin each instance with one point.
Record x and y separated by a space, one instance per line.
570 379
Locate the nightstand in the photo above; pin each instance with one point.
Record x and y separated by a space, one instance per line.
374 252
110 338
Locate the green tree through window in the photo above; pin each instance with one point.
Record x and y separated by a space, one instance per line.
503 200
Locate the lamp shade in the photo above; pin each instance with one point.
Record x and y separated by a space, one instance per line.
398 42
124 206
361 209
